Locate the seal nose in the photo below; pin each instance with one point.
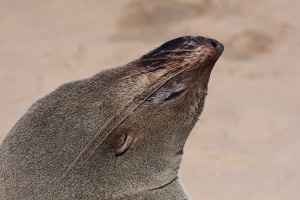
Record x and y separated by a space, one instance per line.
217 45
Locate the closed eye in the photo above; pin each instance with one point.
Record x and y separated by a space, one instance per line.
166 95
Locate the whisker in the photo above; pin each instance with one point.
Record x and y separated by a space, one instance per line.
124 118
155 59
169 57
131 101
102 128
132 75
176 50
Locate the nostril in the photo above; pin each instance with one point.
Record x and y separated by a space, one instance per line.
214 43
217 45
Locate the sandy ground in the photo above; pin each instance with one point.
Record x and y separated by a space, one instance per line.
247 142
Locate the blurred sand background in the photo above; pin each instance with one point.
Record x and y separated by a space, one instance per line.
246 144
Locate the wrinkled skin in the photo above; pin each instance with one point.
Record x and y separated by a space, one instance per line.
117 135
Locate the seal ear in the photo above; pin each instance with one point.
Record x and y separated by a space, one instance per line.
128 141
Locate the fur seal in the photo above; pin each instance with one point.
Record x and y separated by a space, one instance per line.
117 135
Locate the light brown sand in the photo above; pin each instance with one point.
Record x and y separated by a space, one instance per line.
247 142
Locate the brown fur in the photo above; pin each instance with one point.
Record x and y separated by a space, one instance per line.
117 135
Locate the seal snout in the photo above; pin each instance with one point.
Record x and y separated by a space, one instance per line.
217 45
197 40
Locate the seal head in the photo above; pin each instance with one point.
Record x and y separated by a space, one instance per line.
117 135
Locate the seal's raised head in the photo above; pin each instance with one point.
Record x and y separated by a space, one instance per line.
117 135
169 85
